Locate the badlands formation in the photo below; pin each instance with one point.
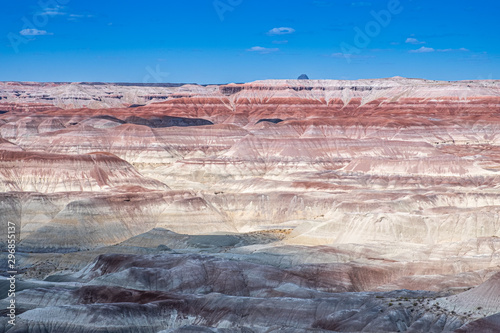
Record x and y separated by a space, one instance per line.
271 206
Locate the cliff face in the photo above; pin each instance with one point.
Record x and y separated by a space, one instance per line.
319 186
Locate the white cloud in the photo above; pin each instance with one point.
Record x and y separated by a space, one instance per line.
280 31
280 41
262 50
423 49
412 40
59 11
77 17
80 16
462 49
52 11
34 32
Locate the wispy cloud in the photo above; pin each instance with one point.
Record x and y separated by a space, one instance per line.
412 40
281 31
53 11
462 49
62 11
34 32
262 50
80 16
423 49
76 17
280 42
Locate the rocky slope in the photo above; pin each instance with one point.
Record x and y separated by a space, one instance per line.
292 205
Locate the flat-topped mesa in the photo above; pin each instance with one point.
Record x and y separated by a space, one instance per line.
106 95
391 87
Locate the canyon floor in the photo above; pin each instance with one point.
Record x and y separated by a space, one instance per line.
270 206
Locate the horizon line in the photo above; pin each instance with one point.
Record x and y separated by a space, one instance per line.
178 84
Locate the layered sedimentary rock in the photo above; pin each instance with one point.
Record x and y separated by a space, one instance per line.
316 196
165 292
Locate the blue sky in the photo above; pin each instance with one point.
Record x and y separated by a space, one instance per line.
207 41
